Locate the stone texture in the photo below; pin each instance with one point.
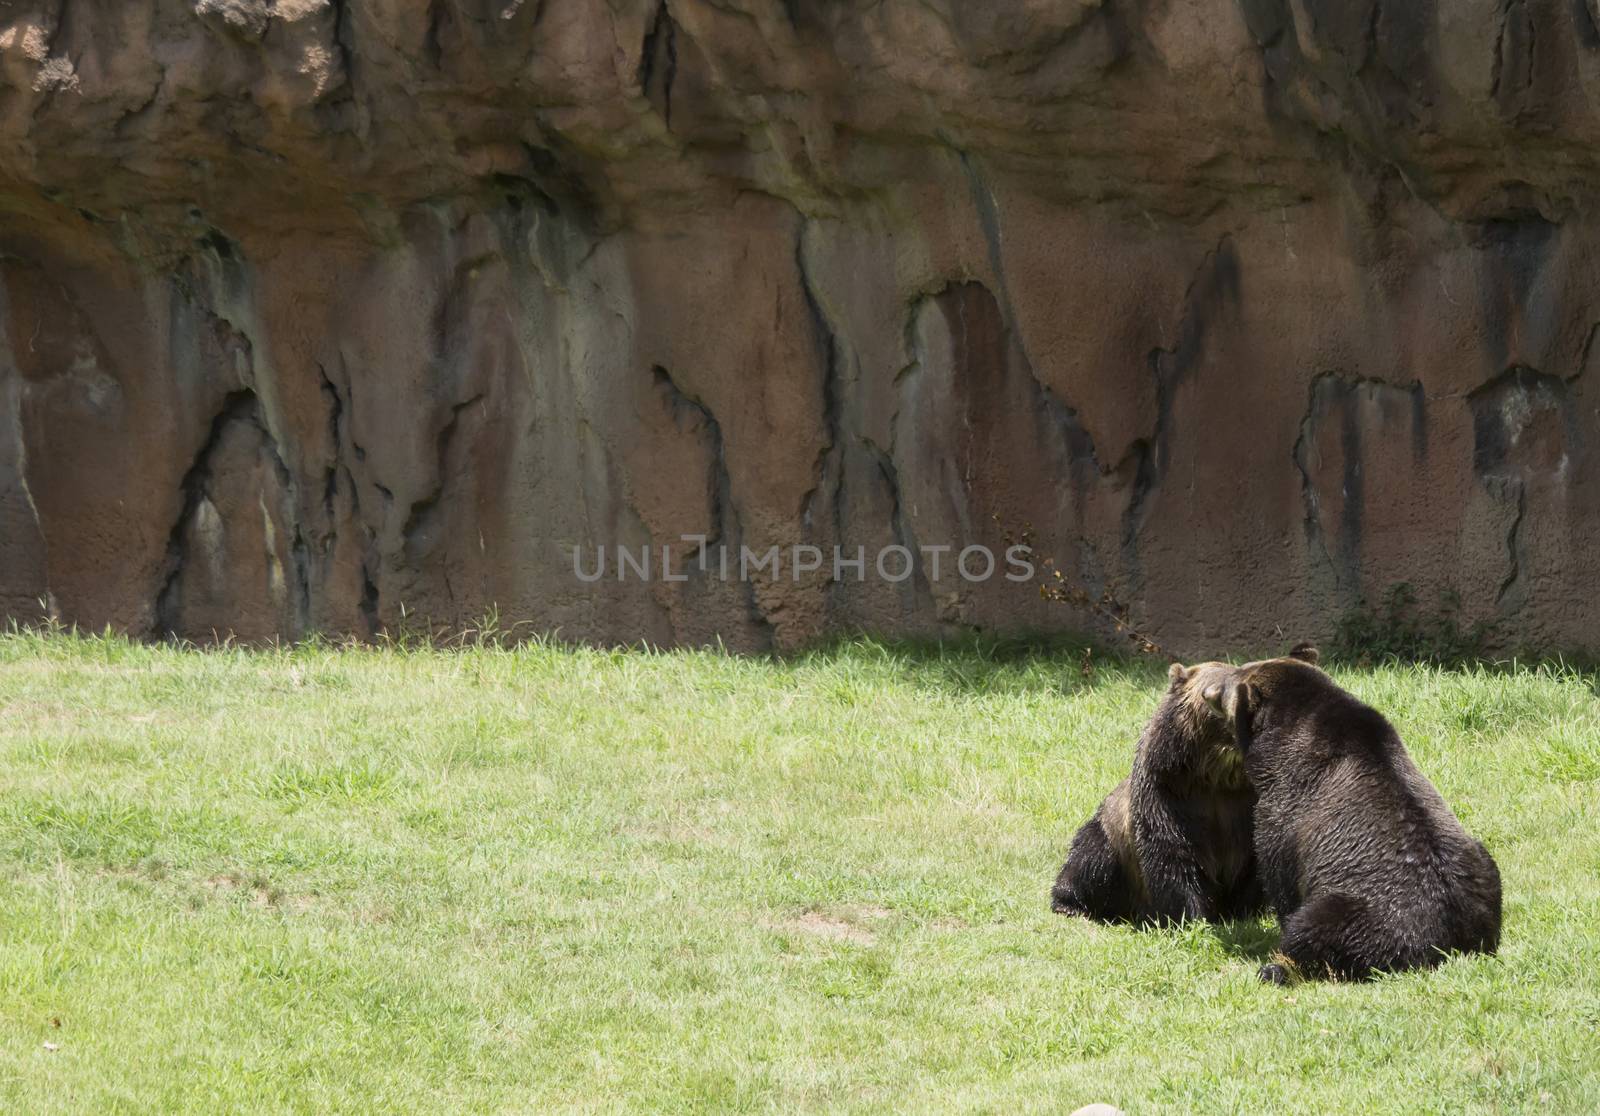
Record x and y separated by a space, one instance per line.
317 315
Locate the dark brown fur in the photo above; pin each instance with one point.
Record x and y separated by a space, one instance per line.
1367 867
1173 840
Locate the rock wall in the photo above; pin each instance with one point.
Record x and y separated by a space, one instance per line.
325 315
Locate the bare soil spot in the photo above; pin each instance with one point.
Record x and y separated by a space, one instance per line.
838 926
672 832
262 895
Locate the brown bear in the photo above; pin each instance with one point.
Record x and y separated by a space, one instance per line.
1368 869
1173 840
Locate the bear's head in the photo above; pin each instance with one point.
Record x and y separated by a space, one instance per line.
1189 684
1197 718
1238 694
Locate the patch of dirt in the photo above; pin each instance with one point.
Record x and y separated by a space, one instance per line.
150 869
684 833
841 926
262 894
833 929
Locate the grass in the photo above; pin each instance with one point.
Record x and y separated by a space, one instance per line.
545 880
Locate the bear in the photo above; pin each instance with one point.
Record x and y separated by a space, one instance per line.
1172 841
1368 869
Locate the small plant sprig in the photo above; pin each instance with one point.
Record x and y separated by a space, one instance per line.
1106 606
1401 629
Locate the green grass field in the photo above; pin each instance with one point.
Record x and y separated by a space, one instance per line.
546 880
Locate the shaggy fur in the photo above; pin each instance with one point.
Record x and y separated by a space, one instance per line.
1173 840
1367 867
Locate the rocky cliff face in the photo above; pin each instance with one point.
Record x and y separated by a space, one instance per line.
321 313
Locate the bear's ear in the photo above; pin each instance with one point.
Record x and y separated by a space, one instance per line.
1306 653
1246 699
1242 706
1178 673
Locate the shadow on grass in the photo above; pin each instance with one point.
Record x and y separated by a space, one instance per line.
966 664
982 664
1250 938
1579 664
979 663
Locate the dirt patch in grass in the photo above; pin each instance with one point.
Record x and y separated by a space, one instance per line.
833 929
672 832
261 894
850 925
